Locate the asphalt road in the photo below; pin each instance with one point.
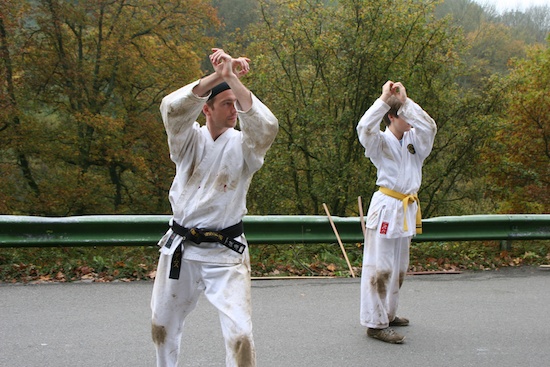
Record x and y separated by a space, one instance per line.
471 319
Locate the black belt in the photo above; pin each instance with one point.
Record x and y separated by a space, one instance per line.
198 235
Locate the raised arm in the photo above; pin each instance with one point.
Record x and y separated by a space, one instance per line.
231 70
424 126
368 128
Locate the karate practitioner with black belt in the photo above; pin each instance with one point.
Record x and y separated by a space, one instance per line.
205 249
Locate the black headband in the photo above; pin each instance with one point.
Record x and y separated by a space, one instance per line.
218 89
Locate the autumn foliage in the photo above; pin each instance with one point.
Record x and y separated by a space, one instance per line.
80 131
81 82
519 154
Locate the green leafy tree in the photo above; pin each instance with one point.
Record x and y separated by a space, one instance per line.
492 46
519 156
90 78
531 26
467 14
320 64
14 159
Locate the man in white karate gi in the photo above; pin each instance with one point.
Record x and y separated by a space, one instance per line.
393 217
205 249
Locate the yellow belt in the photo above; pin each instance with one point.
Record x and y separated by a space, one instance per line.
406 199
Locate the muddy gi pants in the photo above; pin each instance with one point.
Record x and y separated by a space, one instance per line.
226 286
385 264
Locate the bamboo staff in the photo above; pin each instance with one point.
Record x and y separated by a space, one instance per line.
339 240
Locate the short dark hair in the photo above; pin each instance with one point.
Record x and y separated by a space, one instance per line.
395 104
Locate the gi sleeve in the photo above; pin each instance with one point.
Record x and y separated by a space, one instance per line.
179 111
424 126
368 128
259 128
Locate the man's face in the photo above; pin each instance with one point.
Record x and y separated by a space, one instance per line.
222 115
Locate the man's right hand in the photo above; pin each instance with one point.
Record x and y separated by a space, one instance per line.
386 91
393 89
220 59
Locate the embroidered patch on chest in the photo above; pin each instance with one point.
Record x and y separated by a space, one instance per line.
410 148
384 228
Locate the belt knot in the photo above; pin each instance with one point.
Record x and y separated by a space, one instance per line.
406 199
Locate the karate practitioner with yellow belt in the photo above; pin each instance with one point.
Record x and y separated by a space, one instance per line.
393 218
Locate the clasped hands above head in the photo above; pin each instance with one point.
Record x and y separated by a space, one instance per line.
397 89
221 59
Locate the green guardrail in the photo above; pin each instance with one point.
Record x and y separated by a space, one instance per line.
146 230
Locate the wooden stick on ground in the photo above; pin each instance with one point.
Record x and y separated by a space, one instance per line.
361 218
339 240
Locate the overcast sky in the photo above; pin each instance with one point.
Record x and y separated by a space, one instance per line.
502 5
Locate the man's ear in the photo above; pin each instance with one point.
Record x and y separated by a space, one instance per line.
206 110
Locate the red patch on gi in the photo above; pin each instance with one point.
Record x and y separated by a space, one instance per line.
384 228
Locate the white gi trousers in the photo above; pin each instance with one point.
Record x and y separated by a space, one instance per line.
226 286
385 264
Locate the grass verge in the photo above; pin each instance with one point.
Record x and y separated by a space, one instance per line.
106 264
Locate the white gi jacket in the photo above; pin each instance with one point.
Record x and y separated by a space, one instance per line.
398 164
212 176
